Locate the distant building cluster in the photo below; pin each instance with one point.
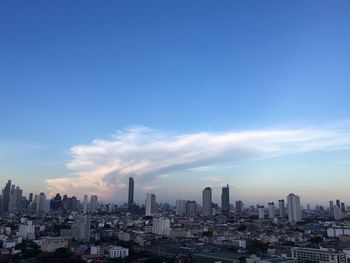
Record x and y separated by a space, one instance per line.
188 231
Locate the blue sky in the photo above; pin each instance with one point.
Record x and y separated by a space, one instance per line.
73 72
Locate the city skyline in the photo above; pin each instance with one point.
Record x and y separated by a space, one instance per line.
179 96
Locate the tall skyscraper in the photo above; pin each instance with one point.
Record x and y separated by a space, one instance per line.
271 210
207 201
225 200
337 202
180 207
294 213
342 207
93 203
331 205
131 192
30 198
40 201
239 206
151 206
281 209
261 212
191 209
6 197
85 203
81 228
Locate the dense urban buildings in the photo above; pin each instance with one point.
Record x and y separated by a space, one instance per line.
180 232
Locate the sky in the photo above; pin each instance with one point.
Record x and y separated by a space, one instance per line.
178 94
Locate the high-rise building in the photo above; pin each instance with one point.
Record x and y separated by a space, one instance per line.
239 206
160 225
225 200
151 206
15 200
93 203
331 205
81 228
261 212
41 203
131 192
271 210
337 203
85 204
6 196
207 202
180 207
294 213
191 209
30 198
338 213
281 209
342 207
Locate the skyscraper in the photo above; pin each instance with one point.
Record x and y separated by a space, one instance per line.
225 200
93 203
239 206
281 209
30 198
6 197
151 206
131 192
81 228
271 210
294 213
207 201
191 209
85 203
261 212
180 207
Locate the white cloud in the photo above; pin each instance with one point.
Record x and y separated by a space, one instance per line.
102 167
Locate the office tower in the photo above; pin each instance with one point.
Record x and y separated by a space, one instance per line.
337 203
239 206
85 203
342 207
73 203
6 196
151 206
81 228
160 225
206 202
65 202
294 213
180 207
331 205
15 200
261 212
338 213
131 192
1 204
191 209
225 200
281 209
30 198
271 210
93 203
41 203
56 202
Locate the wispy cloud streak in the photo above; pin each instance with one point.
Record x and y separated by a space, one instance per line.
102 166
